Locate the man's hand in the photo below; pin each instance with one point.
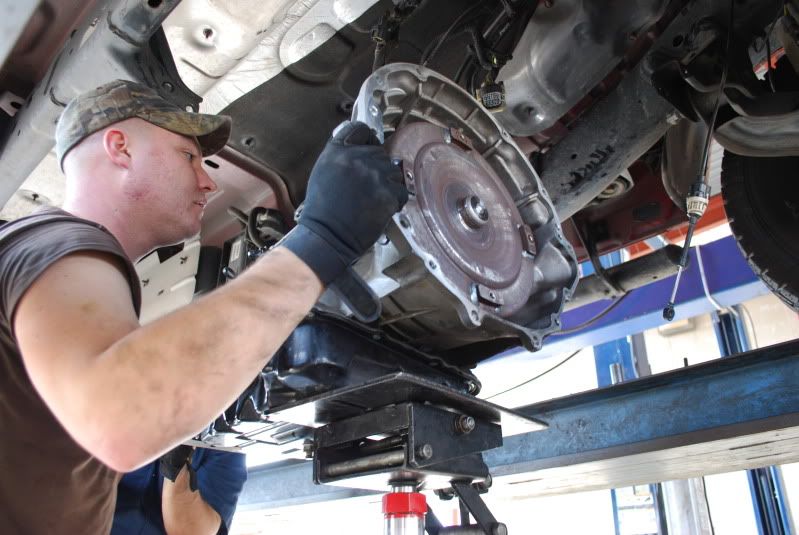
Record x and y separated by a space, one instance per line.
353 191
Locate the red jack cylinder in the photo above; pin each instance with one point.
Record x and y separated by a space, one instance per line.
404 510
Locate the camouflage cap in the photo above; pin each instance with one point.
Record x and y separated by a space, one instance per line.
122 99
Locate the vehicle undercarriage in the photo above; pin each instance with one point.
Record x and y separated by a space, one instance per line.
532 136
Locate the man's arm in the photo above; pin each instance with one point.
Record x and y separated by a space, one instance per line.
126 393
185 511
111 383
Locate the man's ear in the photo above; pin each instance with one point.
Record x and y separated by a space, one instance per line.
116 144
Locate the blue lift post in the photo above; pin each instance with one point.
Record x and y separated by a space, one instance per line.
772 512
614 364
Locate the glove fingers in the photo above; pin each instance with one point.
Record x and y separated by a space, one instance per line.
394 182
354 133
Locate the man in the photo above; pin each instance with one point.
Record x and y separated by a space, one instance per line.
186 491
85 392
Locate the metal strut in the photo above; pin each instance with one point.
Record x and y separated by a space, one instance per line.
468 494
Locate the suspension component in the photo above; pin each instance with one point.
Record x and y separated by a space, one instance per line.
695 204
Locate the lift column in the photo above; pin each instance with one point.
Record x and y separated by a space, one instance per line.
404 510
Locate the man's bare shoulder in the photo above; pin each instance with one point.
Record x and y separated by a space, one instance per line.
76 309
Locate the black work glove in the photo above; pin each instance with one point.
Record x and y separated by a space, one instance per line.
172 462
353 191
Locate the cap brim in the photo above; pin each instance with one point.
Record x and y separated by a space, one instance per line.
212 131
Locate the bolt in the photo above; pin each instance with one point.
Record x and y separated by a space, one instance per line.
409 175
471 386
445 494
183 259
374 110
464 424
424 452
168 87
549 3
473 294
483 486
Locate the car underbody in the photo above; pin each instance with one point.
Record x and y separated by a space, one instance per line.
532 136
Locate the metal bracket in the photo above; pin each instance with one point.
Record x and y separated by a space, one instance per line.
468 494
470 498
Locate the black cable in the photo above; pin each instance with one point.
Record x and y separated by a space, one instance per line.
699 191
426 57
466 64
528 381
769 76
709 516
767 43
583 325
478 47
712 124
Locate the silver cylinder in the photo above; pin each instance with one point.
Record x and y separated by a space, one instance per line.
404 525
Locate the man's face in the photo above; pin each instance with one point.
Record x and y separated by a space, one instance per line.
167 185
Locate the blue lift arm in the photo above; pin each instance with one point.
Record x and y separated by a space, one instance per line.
724 415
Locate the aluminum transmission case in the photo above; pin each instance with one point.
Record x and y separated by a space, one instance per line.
477 253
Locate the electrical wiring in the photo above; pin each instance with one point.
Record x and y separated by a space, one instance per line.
594 319
767 45
705 288
528 381
699 192
724 72
427 56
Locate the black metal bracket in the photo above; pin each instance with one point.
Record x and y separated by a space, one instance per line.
431 443
470 498
468 494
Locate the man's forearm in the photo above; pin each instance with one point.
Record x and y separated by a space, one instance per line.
185 511
176 374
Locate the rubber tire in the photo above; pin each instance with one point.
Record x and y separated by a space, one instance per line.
761 198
